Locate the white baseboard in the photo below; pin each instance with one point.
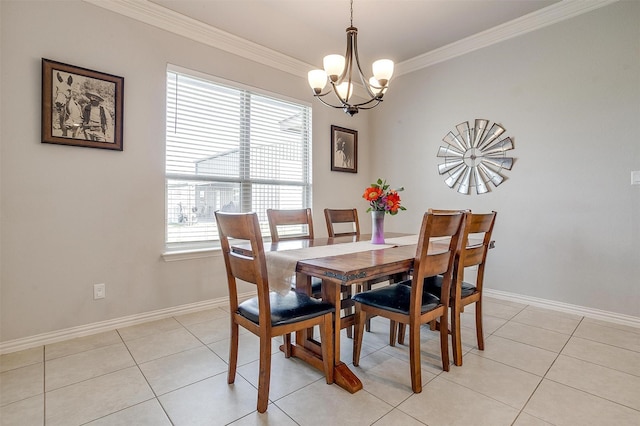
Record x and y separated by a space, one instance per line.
99 327
102 326
565 307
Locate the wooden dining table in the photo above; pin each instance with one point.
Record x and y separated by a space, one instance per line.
393 263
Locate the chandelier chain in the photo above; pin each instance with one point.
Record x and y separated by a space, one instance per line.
352 13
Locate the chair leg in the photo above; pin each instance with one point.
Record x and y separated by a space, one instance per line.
392 333
433 325
366 287
287 345
402 329
479 331
349 311
414 357
326 334
444 341
233 353
264 376
456 339
360 319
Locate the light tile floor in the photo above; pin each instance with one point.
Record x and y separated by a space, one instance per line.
539 367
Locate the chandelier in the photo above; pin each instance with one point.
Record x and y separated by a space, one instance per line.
339 70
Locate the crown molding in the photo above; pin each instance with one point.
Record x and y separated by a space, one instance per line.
533 21
168 20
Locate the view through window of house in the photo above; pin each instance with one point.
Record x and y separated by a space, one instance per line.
230 149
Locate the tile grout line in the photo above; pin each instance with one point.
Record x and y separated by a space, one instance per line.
546 372
589 362
522 410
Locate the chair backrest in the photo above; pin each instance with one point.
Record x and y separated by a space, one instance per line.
478 226
342 216
438 262
249 267
292 221
475 254
441 211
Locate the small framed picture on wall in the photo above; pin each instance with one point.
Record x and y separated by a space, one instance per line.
344 150
81 107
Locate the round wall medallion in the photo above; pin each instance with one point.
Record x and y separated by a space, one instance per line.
475 156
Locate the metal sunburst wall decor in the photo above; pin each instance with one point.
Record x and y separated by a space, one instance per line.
475 156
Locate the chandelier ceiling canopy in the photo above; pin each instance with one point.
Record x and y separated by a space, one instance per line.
338 72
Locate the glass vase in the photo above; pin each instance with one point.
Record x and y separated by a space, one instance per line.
377 227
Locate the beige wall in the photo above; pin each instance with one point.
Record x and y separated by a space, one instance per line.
72 217
569 94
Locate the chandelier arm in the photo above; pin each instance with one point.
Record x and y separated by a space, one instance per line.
360 106
343 104
347 57
334 90
365 83
319 97
329 90
346 104
350 81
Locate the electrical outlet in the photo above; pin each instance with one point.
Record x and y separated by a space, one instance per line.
98 291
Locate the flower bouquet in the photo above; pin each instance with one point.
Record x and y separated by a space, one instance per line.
382 200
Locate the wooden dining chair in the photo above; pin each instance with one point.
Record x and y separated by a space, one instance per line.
269 314
407 303
463 293
290 224
336 218
294 224
433 325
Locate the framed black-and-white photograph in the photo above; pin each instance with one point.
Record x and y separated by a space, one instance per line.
81 107
344 150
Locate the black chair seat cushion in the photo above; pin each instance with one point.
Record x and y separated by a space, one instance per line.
316 285
395 298
434 285
286 309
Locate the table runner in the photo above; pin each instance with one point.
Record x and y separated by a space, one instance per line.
281 265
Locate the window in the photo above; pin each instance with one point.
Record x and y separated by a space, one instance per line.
230 148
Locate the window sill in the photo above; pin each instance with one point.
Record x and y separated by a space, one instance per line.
178 255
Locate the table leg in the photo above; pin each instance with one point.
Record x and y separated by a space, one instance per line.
343 376
309 350
331 294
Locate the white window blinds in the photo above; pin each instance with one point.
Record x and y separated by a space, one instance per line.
231 149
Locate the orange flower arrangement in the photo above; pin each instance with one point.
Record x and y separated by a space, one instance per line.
381 198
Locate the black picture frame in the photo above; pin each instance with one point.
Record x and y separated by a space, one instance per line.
81 107
344 150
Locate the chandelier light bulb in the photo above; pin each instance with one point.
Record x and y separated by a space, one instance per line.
342 90
333 65
376 87
317 80
383 70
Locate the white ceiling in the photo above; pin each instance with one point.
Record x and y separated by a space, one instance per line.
308 30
